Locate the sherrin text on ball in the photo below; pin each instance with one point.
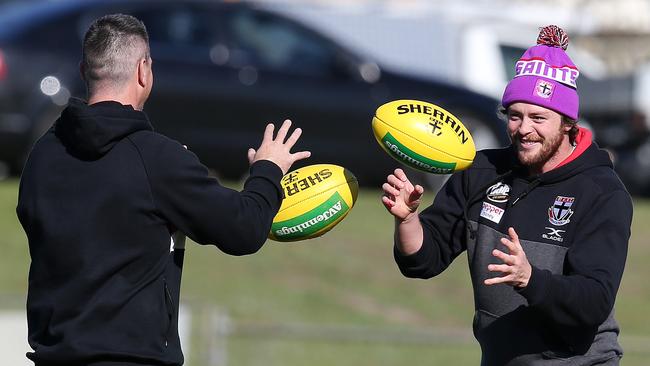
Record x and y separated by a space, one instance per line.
316 198
423 136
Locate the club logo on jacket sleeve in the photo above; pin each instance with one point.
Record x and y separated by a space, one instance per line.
560 212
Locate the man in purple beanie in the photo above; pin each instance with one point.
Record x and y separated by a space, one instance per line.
545 223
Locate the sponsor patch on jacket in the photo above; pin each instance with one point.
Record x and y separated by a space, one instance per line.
499 192
492 212
560 213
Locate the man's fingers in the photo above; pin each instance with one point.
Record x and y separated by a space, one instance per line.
513 244
419 189
399 173
402 189
282 132
515 267
293 138
512 247
276 150
300 155
396 182
497 280
268 133
513 234
388 203
390 189
416 194
514 237
505 258
504 268
251 155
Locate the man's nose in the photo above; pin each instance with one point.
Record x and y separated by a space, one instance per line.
526 126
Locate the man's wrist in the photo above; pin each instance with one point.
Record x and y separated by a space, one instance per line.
408 218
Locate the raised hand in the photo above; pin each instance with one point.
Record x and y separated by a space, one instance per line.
516 269
278 150
401 198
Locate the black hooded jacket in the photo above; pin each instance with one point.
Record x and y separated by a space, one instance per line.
100 196
573 223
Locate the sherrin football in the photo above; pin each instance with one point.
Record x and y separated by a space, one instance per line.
316 198
423 136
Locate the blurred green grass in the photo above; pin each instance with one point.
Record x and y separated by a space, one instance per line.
345 278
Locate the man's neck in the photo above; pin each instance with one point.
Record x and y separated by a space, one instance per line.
122 98
565 150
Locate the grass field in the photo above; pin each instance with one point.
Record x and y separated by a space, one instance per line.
344 280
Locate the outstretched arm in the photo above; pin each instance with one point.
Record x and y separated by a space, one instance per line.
425 242
195 203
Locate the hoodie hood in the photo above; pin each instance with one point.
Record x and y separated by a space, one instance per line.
586 155
91 131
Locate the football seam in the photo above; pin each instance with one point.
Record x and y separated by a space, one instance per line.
320 193
423 143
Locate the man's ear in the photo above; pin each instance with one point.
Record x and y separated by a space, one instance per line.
143 72
567 127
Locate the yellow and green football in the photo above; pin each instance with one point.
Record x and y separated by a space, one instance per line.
316 198
423 136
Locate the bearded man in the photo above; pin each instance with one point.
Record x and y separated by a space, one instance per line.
545 223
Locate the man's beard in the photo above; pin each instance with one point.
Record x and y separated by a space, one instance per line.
549 148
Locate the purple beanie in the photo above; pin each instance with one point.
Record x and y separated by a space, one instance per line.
545 75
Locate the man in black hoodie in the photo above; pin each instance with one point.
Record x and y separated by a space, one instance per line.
101 196
545 223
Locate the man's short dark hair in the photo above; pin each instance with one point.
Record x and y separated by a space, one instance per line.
112 48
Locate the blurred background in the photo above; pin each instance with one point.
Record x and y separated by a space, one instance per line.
223 69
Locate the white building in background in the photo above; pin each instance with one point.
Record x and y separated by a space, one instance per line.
617 31
608 15
475 43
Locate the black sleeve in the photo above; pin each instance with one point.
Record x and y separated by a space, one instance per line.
238 223
443 228
585 294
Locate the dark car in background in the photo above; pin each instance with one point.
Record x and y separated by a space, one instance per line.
222 71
